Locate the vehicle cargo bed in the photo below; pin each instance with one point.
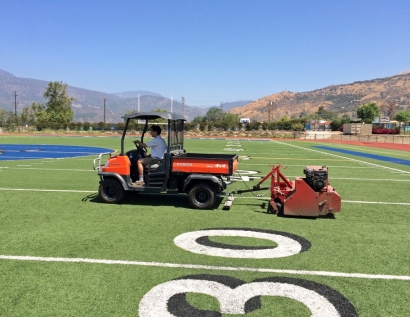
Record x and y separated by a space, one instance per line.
220 164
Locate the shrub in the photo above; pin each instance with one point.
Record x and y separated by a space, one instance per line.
335 125
380 130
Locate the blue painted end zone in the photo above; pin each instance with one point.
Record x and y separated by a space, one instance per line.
11 152
371 156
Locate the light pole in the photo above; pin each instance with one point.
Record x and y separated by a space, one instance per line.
270 105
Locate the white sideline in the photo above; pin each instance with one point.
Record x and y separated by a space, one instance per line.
50 190
236 197
267 198
347 158
204 267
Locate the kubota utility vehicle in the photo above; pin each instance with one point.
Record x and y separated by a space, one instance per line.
203 177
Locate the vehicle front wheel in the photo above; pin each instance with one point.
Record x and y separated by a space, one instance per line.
111 191
201 196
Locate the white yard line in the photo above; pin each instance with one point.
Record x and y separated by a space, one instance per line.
304 165
50 190
346 158
204 267
52 169
374 202
267 198
236 197
374 179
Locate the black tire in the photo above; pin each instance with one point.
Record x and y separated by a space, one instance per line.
111 191
280 207
201 196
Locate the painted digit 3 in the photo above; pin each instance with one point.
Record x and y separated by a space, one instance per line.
198 242
237 297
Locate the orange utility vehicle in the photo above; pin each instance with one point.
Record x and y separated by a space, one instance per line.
203 177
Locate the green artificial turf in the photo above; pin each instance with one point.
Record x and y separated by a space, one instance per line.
49 208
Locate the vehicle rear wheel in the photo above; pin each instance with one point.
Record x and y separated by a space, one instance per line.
280 207
201 196
111 191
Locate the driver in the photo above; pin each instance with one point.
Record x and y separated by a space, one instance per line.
158 148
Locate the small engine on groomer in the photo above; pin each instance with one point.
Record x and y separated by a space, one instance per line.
309 196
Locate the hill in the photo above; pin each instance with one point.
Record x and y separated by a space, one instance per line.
89 104
340 98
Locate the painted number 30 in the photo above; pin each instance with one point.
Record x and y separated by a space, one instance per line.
237 297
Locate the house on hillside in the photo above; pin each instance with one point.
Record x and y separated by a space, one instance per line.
385 122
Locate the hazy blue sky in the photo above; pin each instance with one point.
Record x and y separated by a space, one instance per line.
208 51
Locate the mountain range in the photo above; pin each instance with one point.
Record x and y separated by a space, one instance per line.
89 105
394 90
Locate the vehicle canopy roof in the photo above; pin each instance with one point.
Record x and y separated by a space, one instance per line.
154 115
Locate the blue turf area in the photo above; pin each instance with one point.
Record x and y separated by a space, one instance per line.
371 156
9 152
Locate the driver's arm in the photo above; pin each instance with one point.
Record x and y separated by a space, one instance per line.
140 143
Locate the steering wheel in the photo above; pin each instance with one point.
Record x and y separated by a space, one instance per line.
139 147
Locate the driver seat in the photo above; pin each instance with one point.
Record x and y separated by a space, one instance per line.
155 163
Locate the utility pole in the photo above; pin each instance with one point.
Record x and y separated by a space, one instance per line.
15 105
104 112
183 106
270 106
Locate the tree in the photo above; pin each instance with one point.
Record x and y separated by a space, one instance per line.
384 109
214 115
231 120
345 119
367 112
326 114
335 125
284 123
41 116
8 119
2 117
58 105
303 114
197 119
28 115
391 109
402 116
